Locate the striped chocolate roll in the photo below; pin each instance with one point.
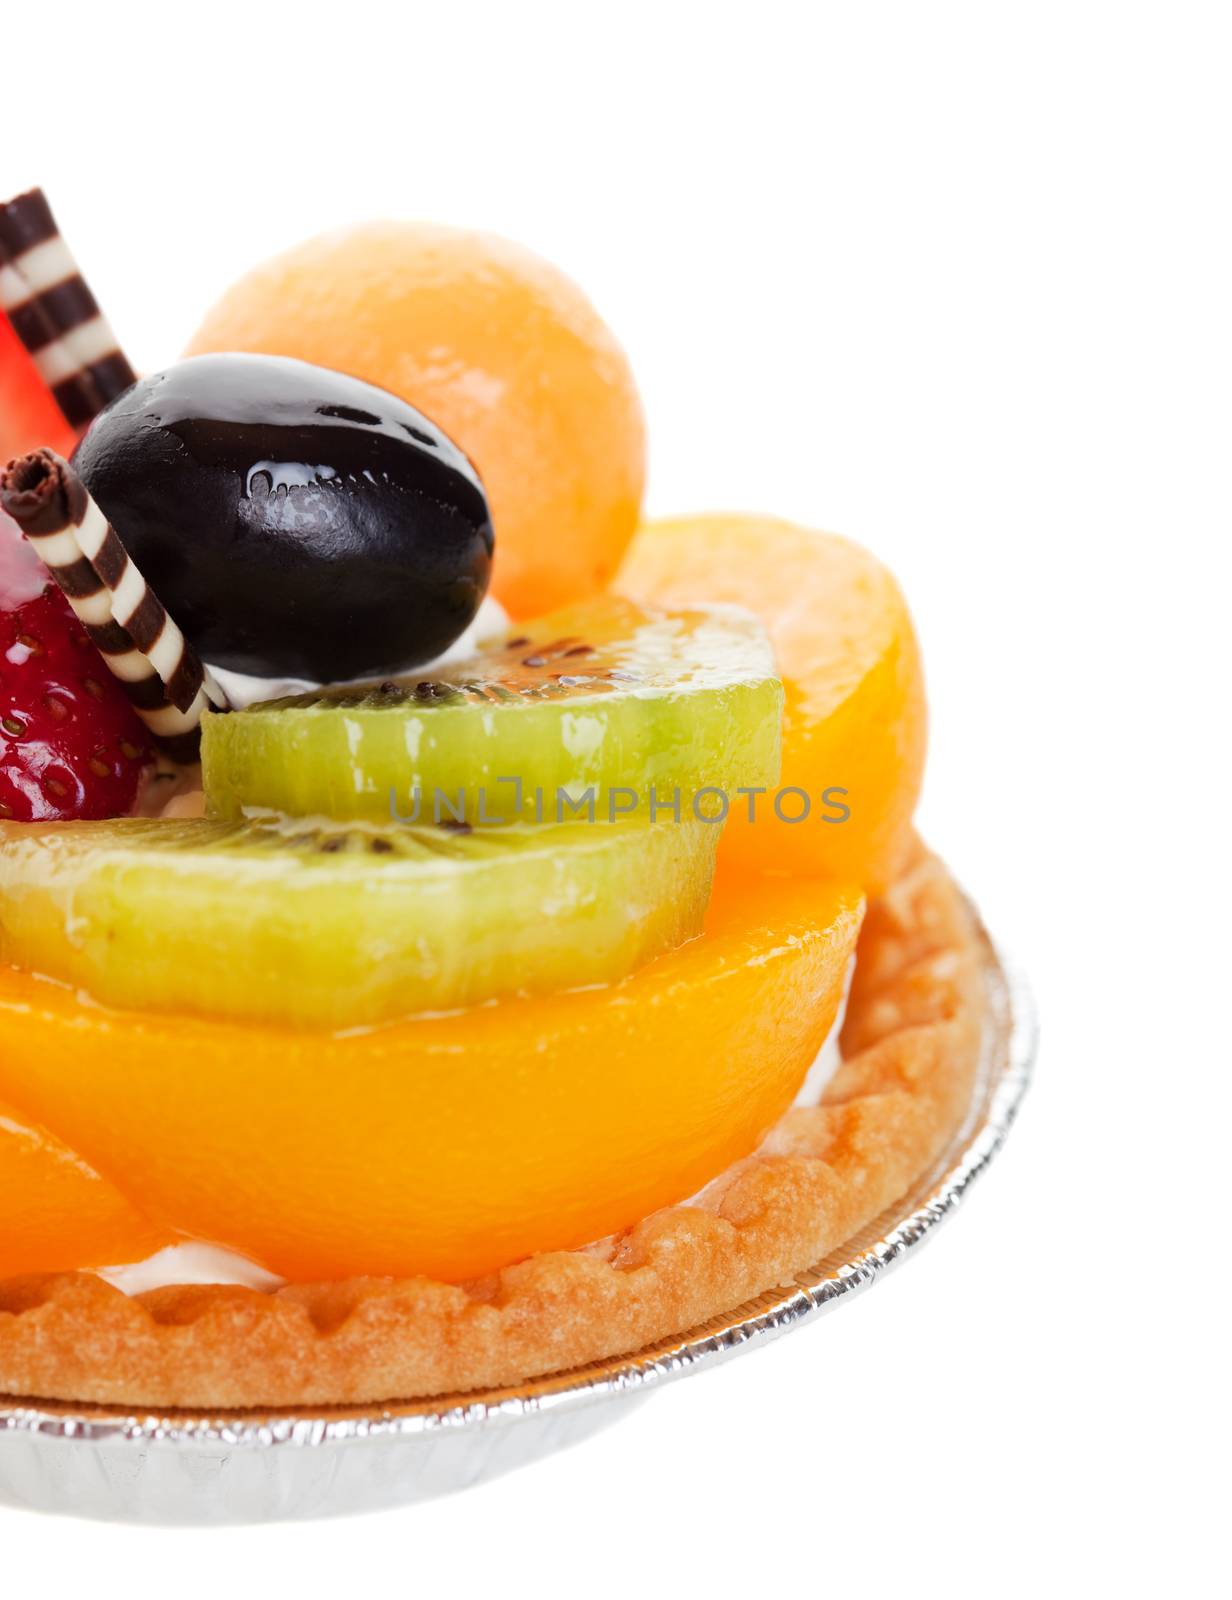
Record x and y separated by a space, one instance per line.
54 313
160 671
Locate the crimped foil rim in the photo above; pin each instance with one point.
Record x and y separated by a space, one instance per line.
1007 1058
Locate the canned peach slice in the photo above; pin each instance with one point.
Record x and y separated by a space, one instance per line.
59 1213
448 1145
855 721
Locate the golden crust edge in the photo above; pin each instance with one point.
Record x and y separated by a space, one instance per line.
911 1044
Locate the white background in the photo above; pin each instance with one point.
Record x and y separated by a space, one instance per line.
955 280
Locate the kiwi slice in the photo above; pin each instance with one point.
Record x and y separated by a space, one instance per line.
584 711
341 926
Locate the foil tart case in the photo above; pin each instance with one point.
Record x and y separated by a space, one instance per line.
184 1468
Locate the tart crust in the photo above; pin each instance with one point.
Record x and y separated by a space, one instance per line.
910 1050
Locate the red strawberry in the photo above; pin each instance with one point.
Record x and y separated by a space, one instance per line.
29 417
70 743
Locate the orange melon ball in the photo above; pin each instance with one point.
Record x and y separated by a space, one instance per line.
499 348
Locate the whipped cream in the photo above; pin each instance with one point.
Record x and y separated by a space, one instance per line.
189 1263
830 1056
241 689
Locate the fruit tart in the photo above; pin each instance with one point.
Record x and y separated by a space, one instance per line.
451 930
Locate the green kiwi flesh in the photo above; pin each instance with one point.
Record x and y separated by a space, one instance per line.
586 711
343 925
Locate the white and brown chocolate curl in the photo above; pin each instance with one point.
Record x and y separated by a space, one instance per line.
54 313
161 673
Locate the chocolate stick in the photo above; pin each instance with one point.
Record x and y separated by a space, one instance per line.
161 673
72 390
54 313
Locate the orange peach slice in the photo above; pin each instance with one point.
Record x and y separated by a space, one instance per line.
59 1214
451 1144
855 718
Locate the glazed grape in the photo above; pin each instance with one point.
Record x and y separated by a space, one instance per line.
293 520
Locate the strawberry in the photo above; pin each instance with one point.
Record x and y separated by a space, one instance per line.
29 417
70 743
